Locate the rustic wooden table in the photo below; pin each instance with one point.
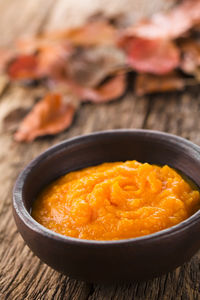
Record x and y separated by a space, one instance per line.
22 274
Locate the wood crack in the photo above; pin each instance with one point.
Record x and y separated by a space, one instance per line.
148 112
12 281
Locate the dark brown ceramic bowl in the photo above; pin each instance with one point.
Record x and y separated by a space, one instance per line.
103 261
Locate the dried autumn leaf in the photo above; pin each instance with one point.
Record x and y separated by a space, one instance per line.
47 55
23 67
89 66
148 83
169 25
49 116
190 61
50 61
110 90
152 56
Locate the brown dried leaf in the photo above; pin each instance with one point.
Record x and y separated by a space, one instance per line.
89 66
49 116
110 90
148 83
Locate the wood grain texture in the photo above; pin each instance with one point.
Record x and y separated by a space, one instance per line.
22 275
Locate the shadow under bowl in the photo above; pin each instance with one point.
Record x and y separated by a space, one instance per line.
136 259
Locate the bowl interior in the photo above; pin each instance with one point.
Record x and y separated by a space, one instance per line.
144 146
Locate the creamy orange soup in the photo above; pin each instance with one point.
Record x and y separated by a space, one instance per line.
115 201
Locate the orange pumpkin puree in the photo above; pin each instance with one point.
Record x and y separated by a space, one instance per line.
115 201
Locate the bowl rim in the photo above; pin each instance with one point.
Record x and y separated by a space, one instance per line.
32 224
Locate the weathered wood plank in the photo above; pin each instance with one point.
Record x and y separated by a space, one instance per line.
22 275
21 18
177 113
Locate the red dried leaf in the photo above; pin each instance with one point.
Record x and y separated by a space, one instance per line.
49 116
153 56
168 25
148 83
110 90
50 61
23 67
